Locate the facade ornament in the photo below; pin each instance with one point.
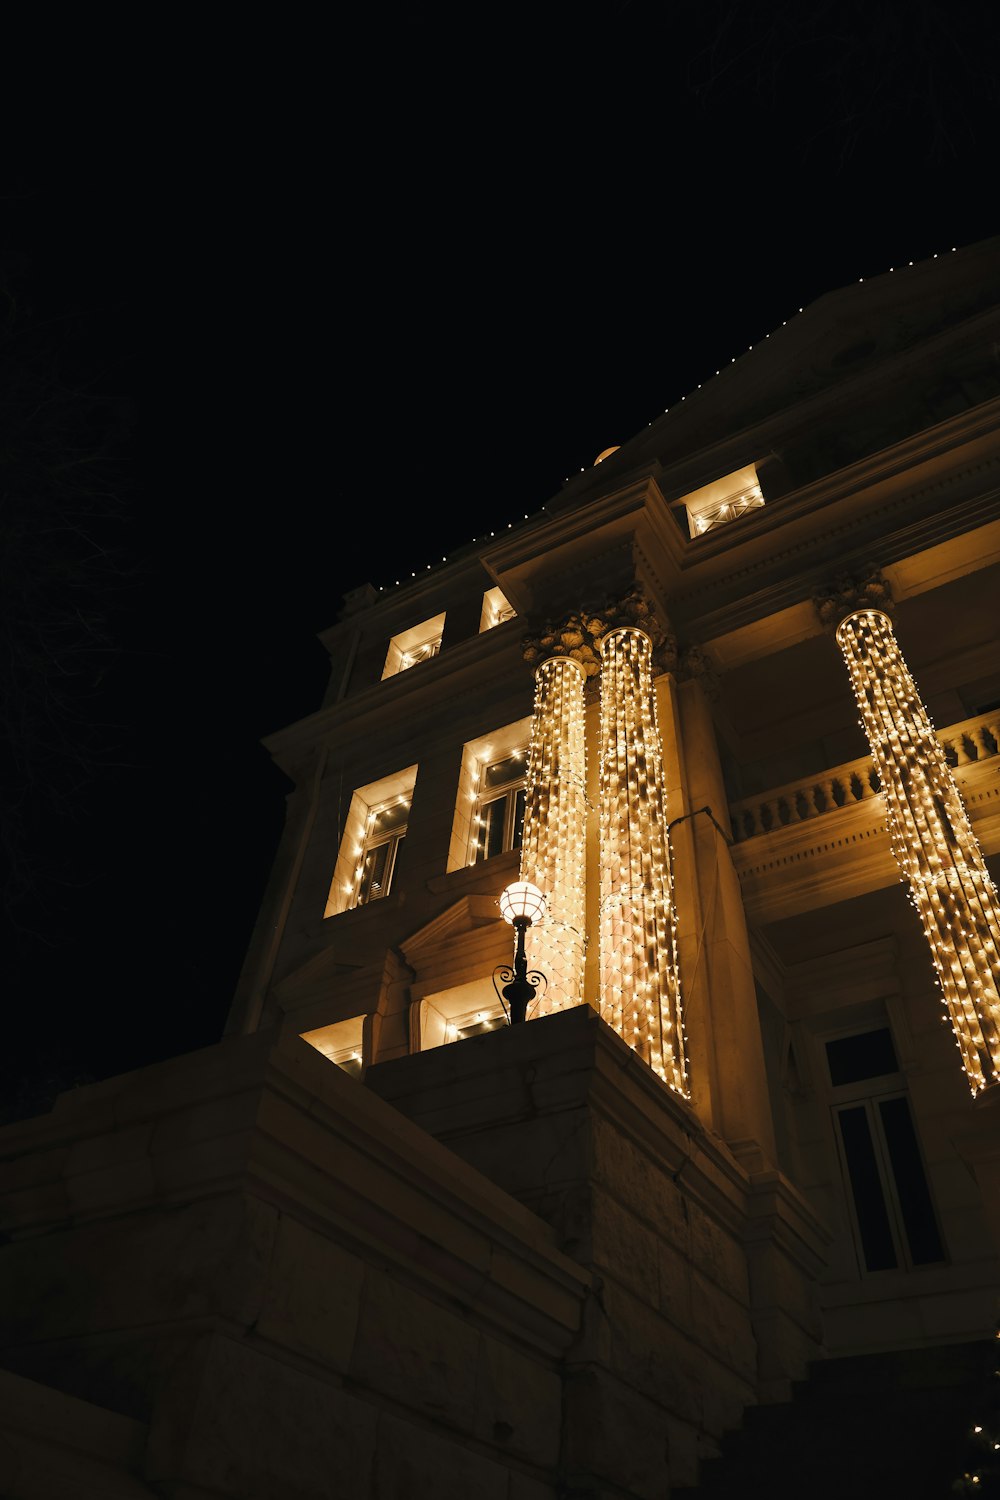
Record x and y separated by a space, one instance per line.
694 664
579 634
865 589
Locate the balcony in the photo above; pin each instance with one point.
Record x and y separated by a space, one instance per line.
823 838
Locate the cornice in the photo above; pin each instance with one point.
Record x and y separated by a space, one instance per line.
895 506
417 696
756 438
404 600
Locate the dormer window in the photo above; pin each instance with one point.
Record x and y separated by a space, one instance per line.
420 643
723 500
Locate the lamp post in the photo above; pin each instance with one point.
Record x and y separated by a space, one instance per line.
521 904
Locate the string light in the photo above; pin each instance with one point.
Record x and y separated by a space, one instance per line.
553 848
640 991
938 855
667 409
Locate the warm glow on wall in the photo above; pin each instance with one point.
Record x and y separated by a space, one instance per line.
640 992
553 851
932 839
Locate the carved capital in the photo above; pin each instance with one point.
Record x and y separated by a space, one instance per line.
694 664
567 636
580 633
865 588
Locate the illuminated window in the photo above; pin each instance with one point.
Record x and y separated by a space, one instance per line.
369 852
723 500
495 610
489 808
420 643
386 831
891 1210
498 821
342 1043
453 1015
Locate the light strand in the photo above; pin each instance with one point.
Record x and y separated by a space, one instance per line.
553 848
640 991
938 855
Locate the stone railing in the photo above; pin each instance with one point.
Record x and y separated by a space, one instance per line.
965 743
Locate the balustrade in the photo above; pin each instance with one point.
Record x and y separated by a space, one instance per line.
965 743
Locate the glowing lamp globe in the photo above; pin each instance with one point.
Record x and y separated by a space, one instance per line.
523 901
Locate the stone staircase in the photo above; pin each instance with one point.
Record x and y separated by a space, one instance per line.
892 1426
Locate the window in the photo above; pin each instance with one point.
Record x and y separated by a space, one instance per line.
420 643
723 500
495 610
892 1214
498 822
489 810
385 832
452 1015
369 850
342 1043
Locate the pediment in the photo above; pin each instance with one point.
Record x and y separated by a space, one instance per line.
464 942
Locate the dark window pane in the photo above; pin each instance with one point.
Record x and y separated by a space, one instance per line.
491 829
868 1055
503 771
373 882
389 818
911 1184
519 803
477 1028
866 1187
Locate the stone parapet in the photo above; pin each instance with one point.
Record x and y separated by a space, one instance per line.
705 1266
293 1288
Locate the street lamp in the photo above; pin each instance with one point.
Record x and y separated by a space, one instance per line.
521 904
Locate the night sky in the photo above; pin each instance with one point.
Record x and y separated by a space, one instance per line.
328 320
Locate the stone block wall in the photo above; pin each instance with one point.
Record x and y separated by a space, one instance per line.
289 1290
515 1268
704 1267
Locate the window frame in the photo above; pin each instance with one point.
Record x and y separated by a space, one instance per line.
869 1093
372 842
367 802
486 796
411 647
487 749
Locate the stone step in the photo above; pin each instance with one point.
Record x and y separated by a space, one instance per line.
892 1424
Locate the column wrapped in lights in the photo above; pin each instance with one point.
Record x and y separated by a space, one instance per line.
640 991
553 849
932 839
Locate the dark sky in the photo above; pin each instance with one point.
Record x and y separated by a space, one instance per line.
341 308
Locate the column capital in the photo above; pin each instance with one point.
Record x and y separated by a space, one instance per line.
579 634
695 665
864 588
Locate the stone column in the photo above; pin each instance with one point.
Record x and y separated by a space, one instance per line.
553 850
725 1042
640 992
935 848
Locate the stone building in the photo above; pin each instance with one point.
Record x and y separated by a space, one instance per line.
731 703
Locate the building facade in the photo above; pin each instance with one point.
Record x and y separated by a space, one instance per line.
731 703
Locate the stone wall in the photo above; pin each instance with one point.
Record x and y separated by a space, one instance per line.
704 1266
290 1290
